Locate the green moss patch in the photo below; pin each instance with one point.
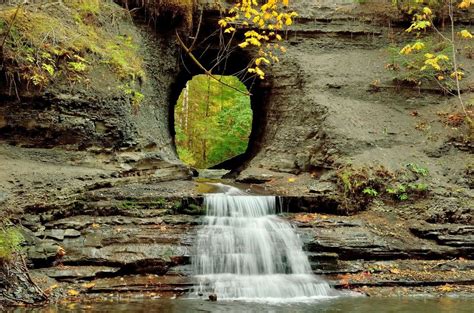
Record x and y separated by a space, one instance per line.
10 240
64 42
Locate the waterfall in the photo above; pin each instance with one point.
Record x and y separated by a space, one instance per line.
246 252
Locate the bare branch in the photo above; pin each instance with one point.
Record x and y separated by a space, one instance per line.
204 69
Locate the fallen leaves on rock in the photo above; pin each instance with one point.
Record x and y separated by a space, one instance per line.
308 217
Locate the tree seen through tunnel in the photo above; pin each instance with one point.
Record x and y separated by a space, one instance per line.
212 120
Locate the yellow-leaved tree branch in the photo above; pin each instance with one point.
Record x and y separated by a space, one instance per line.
262 25
441 64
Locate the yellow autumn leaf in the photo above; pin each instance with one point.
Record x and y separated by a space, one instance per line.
442 57
88 285
260 60
285 2
73 292
433 63
259 72
251 33
465 34
465 4
243 44
291 180
406 50
418 45
427 11
457 75
254 41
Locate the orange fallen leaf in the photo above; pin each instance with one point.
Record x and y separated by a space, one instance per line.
305 218
60 252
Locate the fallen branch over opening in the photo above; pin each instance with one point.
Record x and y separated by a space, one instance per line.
195 60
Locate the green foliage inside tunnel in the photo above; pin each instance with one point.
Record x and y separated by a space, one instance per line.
212 121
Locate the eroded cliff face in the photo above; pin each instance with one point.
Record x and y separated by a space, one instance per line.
331 100
95 111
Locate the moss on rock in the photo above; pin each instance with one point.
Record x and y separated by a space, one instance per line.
49 44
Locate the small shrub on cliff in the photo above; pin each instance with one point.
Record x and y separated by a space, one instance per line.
432 55
362 185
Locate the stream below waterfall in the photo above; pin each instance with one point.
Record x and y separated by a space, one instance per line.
341 304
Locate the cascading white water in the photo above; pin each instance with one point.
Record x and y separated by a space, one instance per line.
246 252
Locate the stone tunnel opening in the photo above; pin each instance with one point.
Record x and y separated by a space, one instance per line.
233 68
212 120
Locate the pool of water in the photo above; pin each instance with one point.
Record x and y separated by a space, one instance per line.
350 304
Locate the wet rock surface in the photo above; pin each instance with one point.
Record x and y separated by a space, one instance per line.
131 253
134 244
452 235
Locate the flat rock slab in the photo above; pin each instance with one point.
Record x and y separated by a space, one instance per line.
60 234
453 235
80 222
76 272
353 238
142 283
134 244
444 274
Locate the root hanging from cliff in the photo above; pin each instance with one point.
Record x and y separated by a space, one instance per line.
16 285
169 13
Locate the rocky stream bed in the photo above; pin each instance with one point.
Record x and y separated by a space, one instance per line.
124 240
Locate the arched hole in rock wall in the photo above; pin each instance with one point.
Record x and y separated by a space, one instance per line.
234 65
213 120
